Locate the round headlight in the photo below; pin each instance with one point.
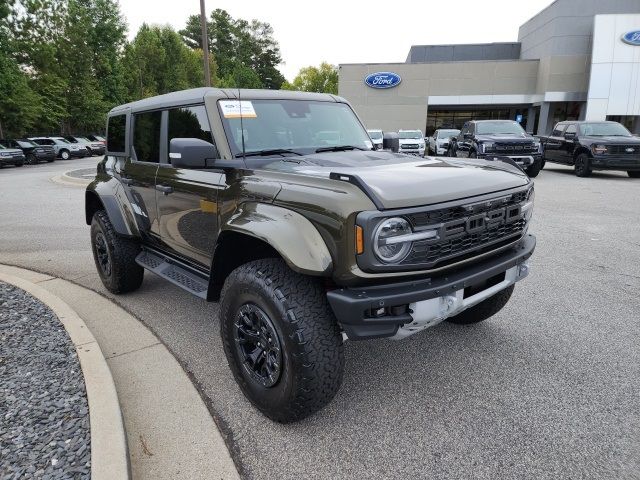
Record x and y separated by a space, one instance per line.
386 245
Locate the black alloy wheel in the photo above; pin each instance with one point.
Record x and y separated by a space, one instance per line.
31 159
258 345
102 254
582 165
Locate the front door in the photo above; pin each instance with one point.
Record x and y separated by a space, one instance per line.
554 143
565 154
138 173
188 199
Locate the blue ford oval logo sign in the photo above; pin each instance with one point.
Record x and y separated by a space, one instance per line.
382 80
632 38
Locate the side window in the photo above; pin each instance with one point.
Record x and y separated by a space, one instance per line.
571 129
146 136
116 127
189 122
558 131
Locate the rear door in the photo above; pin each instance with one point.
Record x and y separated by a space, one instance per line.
138 172
554 143
187 199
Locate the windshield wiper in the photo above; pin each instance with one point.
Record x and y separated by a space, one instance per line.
264 153
338 148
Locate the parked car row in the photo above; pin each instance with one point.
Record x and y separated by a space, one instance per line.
587 146
32 150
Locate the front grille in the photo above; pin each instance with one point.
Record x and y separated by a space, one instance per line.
622 149
514 148
439 253
424 219
409 146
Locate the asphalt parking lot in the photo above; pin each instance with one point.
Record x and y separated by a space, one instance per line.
548 388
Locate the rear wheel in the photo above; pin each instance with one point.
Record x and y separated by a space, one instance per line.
485 309
582 165
115 256
634 174
281 339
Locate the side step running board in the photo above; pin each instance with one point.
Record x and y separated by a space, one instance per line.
175 273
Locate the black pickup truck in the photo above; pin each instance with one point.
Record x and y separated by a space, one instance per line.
490 139
592 146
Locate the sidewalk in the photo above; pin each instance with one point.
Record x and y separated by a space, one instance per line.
170 433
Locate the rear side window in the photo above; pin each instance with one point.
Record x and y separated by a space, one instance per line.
146 136
116 128
559 130
189 122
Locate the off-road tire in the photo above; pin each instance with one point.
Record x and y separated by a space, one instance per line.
485 309
582 165
31 159
634 174
311 343
534 169
65 155
125 274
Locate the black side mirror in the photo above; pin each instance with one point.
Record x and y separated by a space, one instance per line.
192 153
391 141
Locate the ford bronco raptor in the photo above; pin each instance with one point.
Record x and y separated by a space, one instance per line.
276 205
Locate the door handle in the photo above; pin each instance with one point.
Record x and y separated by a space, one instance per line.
166 189
126 181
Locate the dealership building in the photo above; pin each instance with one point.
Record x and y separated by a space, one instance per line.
575 60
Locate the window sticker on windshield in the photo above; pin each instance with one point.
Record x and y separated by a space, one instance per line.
237 109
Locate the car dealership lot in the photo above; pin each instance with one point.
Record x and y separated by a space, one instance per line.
546 389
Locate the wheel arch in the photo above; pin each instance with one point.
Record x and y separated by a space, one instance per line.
258 231
101 196
579 150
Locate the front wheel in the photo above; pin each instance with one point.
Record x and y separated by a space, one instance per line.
115 256
582 165
483 310
281 339
534 169
31 159
634 174
64 155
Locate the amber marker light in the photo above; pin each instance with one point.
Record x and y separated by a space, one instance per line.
359 240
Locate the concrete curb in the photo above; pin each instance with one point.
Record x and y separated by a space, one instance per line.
109 455
65 179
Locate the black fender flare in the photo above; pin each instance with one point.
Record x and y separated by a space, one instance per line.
109 195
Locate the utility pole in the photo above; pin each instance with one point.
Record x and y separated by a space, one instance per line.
205 45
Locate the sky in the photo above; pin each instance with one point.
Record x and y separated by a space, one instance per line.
353 31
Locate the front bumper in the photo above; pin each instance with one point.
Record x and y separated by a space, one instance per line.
412 151
524 160
78 153
353 307
12 160
615 162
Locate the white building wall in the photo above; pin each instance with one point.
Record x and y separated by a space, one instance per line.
614 85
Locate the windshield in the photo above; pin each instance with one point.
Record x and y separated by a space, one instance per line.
498 128
410 134
604 130
298 126
375 134
448 133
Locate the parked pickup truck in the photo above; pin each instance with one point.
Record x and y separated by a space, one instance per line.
304 244
498 138
592 146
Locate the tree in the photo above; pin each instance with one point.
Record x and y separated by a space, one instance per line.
238 45
322 79
157 61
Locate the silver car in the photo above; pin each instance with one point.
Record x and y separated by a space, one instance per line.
93 148
63 148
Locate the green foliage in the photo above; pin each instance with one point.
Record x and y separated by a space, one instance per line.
239 46
157 61
322 79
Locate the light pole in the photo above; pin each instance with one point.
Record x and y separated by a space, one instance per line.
205 44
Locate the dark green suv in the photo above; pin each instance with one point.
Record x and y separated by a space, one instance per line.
277 205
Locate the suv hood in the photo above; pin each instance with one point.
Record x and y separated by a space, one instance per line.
400 181
612 140
501 137
410 140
